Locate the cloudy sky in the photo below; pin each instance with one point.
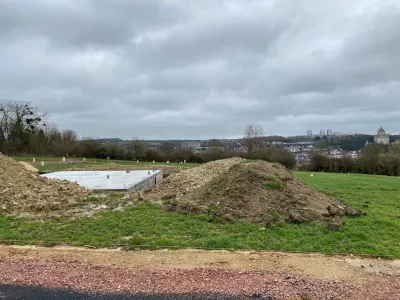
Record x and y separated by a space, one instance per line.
163 69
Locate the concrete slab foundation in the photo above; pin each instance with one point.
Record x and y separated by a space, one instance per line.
111 180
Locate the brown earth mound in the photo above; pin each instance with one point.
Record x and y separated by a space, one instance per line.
253 191
28 167
188 180
22 191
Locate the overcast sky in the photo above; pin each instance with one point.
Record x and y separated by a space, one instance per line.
164 69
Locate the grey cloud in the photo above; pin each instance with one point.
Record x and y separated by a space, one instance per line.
367 56
83 22
218 37
203 69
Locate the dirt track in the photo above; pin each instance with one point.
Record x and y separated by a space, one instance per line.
279 275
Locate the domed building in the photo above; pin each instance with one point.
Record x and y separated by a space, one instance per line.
382 137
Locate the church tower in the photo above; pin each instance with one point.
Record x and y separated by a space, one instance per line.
381 137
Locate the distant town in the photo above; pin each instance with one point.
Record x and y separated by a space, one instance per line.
332 144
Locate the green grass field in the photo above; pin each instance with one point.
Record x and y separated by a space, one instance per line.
149 226
61 167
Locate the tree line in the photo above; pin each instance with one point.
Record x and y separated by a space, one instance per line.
138 150
25 130
374 159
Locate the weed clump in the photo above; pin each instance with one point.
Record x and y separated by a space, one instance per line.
274 183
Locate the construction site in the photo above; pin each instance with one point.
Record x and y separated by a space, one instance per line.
111 180
189 150
231 189
230 192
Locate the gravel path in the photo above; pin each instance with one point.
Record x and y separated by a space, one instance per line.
85 277
196 273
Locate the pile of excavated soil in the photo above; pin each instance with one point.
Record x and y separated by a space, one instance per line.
28 167
254 191
23 191
179 184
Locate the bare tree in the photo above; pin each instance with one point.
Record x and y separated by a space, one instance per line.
137 149
53 137
69 141
252 136
18 121
166 147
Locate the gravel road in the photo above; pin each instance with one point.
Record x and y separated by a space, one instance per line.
192 274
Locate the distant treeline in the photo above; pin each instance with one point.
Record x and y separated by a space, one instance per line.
24 130
374 159
347 143
138 150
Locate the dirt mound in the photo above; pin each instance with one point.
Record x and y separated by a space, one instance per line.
258 192
28 167
23 191
188 180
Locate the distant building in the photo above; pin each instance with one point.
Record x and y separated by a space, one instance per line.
309 133
191 145
309 148
201 149
294 149
302 157
329 132
340 153
352 154
335 153
322 132
154 146
381 137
